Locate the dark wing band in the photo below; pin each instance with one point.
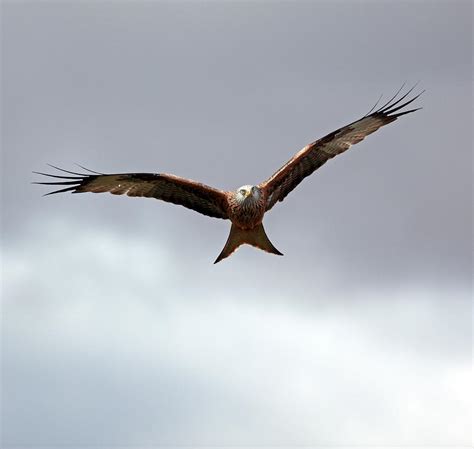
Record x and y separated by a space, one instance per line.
314 155
173 189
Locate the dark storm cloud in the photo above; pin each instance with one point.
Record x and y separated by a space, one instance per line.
222 95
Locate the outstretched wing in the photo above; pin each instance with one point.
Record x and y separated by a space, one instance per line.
173 189
314 155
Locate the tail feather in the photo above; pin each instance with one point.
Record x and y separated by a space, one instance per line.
255 237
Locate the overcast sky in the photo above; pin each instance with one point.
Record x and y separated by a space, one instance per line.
118 329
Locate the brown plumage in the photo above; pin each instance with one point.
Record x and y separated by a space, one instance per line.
245 207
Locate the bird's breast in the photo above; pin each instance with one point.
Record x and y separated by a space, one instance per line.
247 214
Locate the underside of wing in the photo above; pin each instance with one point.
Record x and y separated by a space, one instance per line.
173 189
314 155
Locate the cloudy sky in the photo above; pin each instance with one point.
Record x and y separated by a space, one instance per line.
117 329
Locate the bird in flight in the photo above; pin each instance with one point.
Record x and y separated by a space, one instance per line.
246 206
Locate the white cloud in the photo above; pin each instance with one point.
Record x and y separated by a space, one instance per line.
96 328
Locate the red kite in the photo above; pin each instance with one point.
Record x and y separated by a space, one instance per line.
246 206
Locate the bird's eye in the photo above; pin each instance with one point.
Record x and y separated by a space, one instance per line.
242 191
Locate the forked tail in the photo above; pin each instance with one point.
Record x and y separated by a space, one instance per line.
255 237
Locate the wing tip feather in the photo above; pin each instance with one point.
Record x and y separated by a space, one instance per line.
390 107
73 183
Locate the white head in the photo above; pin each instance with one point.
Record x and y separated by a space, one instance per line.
248 193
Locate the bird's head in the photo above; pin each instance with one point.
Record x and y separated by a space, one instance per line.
248 193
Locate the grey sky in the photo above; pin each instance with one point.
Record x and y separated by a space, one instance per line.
117 328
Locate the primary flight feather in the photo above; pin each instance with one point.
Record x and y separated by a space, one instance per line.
246 206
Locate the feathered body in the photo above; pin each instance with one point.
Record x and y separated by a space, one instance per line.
246 206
